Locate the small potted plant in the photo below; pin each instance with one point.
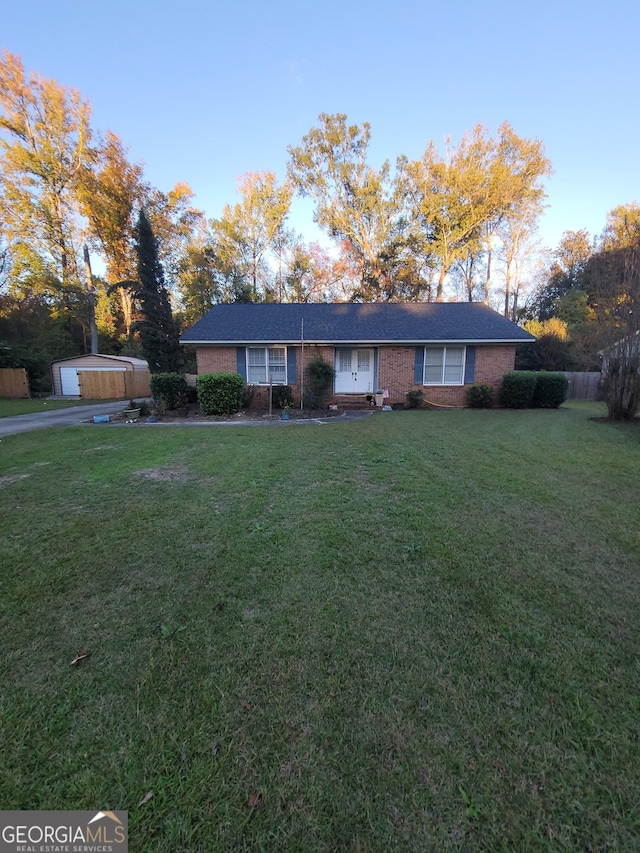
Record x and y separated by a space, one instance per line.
286 412
132 411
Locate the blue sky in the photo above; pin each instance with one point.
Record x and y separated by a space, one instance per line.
203 92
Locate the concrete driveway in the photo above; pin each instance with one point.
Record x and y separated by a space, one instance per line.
58 417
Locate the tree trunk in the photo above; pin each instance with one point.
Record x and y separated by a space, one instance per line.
92 301
507 292
126 302
441 278
487 283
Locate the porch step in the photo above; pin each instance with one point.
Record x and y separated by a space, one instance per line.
353 402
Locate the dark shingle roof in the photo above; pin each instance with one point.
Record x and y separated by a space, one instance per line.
335 323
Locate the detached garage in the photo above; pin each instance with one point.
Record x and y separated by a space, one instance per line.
100 377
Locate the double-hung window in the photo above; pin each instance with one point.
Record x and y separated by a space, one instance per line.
267 364
444 365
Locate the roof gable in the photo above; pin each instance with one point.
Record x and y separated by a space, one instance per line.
136 362
348 322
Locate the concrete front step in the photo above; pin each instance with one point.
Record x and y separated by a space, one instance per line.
352 403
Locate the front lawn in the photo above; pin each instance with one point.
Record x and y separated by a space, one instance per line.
415 632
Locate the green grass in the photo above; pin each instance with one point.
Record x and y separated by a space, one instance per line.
415 632
11 407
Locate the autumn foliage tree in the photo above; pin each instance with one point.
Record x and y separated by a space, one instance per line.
407 232
357 205
459 200
111 189
46 146
252 229
612 277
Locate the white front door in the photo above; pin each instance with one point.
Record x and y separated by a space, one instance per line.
69 381
354 371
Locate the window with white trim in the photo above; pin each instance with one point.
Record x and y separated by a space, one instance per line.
444 365
266 364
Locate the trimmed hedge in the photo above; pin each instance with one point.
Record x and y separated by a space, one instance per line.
518 388
551 390
169 389
523 389
220 393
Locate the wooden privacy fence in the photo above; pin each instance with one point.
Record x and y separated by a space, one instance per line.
114 384
14 382
583 386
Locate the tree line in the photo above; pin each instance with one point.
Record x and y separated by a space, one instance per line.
585 309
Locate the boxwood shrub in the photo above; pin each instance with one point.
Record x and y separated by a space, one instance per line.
543 389
168 389
220 393
281 396
415 398
479 396
551 390
518 388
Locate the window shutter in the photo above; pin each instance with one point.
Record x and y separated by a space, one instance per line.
470 366
418 372
291 366
241 361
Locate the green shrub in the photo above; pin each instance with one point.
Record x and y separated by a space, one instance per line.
551 390
518 388
319 377
248 393
281 396
414 398
166 389
479 396
220 393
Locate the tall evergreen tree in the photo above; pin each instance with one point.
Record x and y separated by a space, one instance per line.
158 330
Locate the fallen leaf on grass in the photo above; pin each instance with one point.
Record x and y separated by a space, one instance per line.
254 800
80 655
146 798
246 706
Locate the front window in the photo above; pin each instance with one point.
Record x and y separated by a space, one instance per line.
267 364
444 366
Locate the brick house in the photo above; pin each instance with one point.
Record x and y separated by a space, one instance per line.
440 348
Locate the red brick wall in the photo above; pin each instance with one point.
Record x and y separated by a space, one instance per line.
216 359
396 365
492 363
396 368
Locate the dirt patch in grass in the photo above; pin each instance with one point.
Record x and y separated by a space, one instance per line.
12 478
179 474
